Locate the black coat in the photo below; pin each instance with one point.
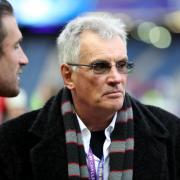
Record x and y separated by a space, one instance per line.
32 146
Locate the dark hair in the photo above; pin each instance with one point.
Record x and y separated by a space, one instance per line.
5 9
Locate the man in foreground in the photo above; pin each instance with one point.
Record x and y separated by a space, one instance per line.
92 129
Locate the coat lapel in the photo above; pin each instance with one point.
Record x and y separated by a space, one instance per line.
150 155
48 156
48 159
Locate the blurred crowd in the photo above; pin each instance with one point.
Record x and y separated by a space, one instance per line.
13 107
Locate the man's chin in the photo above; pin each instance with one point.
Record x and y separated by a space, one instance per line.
113 106
12 92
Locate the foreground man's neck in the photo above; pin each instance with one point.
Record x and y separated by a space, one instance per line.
95 123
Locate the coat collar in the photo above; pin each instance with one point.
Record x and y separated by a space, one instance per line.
48 156
47 122
147 121
151 137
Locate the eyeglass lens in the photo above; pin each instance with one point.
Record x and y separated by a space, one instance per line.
100 67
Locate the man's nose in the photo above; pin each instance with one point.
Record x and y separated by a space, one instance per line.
23 58
114 76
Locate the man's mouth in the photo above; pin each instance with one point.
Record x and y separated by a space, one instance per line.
19 75
114 94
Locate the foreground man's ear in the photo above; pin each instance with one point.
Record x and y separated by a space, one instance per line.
66 72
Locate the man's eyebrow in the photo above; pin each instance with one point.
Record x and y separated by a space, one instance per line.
122 59
104 59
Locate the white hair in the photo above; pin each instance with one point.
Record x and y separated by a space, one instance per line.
104 24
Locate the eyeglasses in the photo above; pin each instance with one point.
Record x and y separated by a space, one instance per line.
103 66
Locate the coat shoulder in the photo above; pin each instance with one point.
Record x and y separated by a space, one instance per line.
17 128
15 143
155 116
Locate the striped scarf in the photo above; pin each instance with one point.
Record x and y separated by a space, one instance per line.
121 148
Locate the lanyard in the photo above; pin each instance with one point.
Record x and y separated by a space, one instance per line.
92 168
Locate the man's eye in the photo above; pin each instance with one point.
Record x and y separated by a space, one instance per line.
121 64
17 46
100 65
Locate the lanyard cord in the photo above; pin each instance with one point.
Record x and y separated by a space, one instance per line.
91 167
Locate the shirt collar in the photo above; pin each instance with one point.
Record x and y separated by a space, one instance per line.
109 129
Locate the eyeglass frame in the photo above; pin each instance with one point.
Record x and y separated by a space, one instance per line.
92 65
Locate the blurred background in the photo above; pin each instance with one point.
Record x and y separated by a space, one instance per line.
153 44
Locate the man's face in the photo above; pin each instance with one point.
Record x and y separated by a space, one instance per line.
12 58
99 92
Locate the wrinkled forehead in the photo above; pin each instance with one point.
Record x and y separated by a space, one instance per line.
92 45
11 27
12 35
8 21
3 28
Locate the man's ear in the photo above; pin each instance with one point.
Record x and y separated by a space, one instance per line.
66 73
